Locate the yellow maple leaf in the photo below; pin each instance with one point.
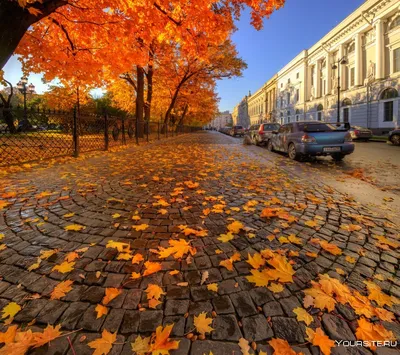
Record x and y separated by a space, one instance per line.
260 278
161 343
9 311
275 287
154 291
64 267
45 254
202 323
294 240
212 287
330 248
235 227
311 224
68 215
104 344
136 218
151 268
350 259
121 247
116 215
226 237
140 227
35 265
283 270
320 339
256 261
350 227
101 310
141 345
61 289
124 256
111 293
321 299
74 227
303 315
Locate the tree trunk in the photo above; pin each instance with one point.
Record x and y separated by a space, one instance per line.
140 101
9 119
149 76
15 21
182 117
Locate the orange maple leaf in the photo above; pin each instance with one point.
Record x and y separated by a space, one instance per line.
319 338
49 334
61 289
111 293
161 340
151 268
104 344
281 347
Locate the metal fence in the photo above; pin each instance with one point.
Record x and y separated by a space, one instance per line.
41 134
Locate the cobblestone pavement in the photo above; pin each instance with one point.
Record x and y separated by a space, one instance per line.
203 181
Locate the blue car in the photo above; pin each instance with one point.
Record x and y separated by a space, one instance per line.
302 139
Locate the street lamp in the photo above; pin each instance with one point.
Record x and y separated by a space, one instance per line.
25 89
335 66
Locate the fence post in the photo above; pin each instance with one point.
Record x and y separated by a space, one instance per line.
123 131
106 142
75 133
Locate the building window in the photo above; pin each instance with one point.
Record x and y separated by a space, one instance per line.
319 113
281 85
388 111
281 118
288 98
352 76
346 110
288 81
297 115
388 94
396 59
297 95
297 75
281 101
319 116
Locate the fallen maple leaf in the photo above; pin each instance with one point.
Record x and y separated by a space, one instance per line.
64 267
369 331
74 227
244 346
303 315
140 227
137 258
151 268
283 270
111 293
9 311
311 224
281 347
104 344
202 323
35 265
101 311
161 343
45 254
235 227
256 261
224 238
49 333
318 338
61 289
121 247
178 248
141 345
71 256
212 287
275 288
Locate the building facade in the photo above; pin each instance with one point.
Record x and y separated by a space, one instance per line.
352 74
223 119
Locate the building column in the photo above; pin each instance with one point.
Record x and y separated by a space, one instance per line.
328 74
317 79
341 69
379 50
358 79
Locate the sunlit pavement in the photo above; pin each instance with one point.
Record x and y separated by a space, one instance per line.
195 188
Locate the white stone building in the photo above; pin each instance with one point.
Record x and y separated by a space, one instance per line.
369 42
221 120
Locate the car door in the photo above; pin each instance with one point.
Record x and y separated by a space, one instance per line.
287 137
280 139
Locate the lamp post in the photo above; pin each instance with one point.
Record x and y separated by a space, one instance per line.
25 89
335 66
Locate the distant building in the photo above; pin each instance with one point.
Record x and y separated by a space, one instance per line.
221 120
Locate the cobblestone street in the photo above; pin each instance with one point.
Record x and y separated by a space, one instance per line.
257 247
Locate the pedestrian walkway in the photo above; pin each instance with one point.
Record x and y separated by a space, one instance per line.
194 232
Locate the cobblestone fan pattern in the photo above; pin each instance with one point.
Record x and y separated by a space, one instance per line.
203 181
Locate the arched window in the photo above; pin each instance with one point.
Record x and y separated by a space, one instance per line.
288 116
388 112
395 23
388 94
319 114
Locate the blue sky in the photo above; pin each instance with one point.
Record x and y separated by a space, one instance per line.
297 26
286 33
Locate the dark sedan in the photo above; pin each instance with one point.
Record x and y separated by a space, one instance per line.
302 139
394 137
260 134
360 133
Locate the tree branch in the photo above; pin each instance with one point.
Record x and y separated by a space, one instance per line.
65 32
158 7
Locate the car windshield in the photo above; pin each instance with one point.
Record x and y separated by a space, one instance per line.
358 127
318 127
238 127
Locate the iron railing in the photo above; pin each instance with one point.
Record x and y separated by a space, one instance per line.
38 134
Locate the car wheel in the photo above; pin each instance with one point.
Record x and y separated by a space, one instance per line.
293 153
395 139
338 157
270 146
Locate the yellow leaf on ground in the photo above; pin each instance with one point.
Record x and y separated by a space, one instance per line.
49 333
121 247
202 323
154 291
116 215
283 270
104 344
64 267
68 215
224 238
111 293
235 227
244 346
35 265
350 259
174 272
45 254
74 227
320 339
140 227
275 288
101 310
141 345
295 240
151 268
161 343
10 311
212 287
311 224
256 261
303 315
61 289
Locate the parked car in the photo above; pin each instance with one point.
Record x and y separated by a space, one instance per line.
360 133
237 131
225 130
394 137
302 139
260 134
